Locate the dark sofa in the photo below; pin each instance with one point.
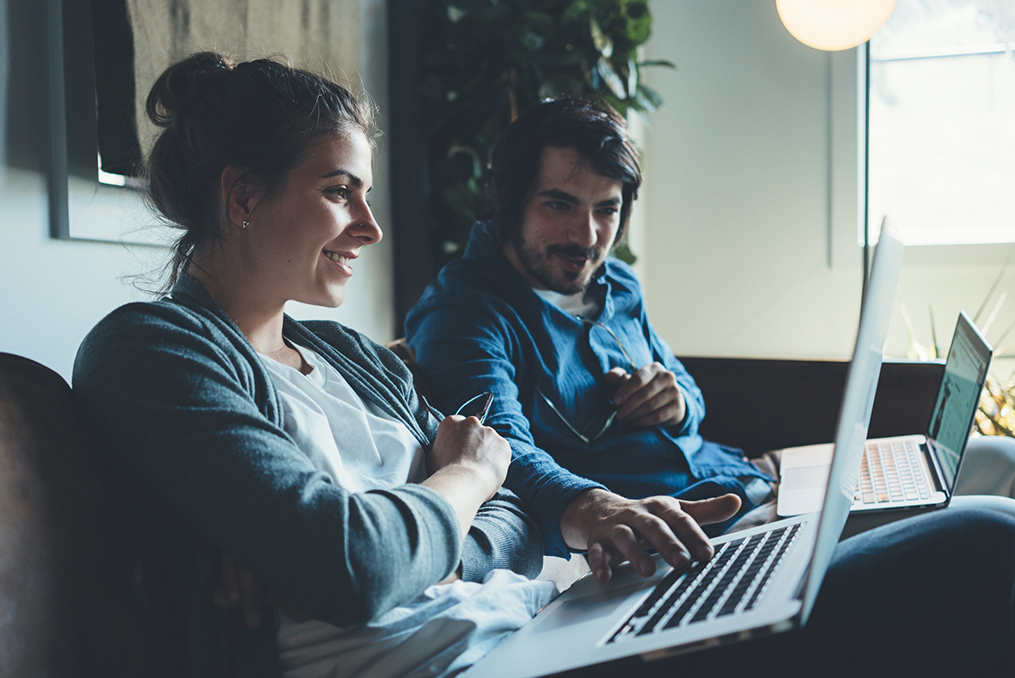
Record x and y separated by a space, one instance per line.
761 405
70 593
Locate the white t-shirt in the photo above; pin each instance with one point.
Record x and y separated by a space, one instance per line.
449 626
579 303
359 445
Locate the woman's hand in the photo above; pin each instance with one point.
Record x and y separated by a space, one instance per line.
467 465
464 442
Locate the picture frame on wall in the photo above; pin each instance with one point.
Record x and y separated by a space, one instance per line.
104 57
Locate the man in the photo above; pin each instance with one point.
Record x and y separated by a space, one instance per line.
594 404
601 418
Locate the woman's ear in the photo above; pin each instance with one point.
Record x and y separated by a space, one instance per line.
239 195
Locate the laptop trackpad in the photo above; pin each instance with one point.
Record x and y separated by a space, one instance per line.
805 477
586 608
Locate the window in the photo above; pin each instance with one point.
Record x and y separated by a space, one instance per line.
942 122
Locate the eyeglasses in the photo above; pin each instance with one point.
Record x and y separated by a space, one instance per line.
480 412
587 439
592 323
598 430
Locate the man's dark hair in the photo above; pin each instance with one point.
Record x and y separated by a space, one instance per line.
596 131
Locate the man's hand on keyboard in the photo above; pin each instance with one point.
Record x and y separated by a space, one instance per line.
614 529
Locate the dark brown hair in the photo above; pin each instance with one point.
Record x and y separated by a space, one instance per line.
262 116
594 130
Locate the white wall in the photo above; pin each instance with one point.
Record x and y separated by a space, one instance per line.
369 302
751 195
737 189
52 292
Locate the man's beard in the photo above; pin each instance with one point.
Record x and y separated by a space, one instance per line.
555 278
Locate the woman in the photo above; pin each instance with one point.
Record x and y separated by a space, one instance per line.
300 450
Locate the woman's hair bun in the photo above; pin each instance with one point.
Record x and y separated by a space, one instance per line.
182 84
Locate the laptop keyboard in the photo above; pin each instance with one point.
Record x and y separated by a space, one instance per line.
892 471
734 580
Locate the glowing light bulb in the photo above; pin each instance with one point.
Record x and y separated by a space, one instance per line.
834 24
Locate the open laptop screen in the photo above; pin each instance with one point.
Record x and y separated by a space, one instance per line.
857 403
958 397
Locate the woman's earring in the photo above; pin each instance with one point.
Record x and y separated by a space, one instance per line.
245 223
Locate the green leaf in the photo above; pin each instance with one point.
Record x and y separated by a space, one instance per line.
623 252
532 41
610 77
637 22
575 11
602 43
632 78
477 162
560 85
649 98
461 200
657 62
540 22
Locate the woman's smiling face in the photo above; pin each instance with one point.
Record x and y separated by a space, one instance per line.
302 240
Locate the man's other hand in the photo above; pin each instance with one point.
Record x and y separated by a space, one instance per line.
648 397
614 529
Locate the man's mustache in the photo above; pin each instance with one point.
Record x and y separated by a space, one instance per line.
575 251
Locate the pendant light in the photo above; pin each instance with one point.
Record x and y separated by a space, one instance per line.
834 24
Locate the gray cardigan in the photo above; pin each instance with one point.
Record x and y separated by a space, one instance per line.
191 425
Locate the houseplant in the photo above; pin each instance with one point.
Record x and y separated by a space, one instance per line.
996 412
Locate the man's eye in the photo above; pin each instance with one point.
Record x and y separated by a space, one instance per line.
557 205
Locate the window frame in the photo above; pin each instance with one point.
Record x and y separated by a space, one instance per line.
923 254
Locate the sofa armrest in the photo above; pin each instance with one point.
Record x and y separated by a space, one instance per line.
69 575
760 405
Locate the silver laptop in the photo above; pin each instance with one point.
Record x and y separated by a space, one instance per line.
760 581
905 471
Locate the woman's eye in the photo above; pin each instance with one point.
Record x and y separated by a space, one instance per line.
340 192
